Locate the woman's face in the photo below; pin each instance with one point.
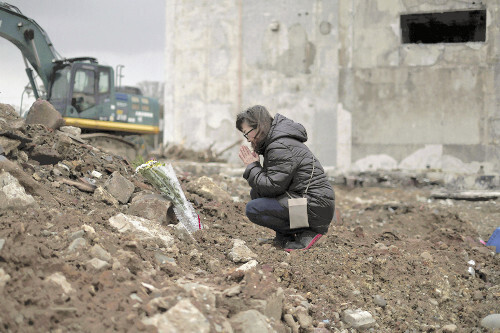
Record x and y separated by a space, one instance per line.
249 133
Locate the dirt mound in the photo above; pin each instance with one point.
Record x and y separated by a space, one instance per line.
74 258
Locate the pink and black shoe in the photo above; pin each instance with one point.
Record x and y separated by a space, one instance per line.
303 241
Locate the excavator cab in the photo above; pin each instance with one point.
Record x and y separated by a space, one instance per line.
81 89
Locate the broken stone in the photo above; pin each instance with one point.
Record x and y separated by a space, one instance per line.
426 255
7 145
379 300
21 156
60 280
477 296
98 252
214 265
491 321
76 131
101 194
201 293
291 323
96 174
183 317
4 278
12 194
143 228
2 243
358 319
88 229
205 187
97 264
8 112
42 112
272 306
248 266
135 297
381 246
77 244
450 328
240 252
305 321
162 259
76 234
232 291
151 207
119 187
250 321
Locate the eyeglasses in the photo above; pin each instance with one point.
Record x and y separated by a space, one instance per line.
246 134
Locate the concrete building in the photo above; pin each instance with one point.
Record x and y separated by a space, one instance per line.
358 74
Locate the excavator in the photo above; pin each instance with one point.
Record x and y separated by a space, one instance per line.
82 90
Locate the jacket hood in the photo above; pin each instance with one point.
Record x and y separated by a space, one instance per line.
282 127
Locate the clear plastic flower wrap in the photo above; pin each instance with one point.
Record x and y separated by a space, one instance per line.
162 176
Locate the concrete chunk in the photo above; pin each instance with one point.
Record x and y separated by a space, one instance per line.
142 228
42 112
250 321
119 187
491 321
97 264
151 207
240 252
12 194
183 317
358 318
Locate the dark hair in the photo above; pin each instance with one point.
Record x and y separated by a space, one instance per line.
256 117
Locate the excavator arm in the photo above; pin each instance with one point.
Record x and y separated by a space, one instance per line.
31 39
81 90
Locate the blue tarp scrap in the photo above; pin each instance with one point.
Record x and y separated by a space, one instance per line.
495 239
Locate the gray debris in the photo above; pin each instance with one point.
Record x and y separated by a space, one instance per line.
76 131
240 252
151 207
42 112
119 187
183 317
77 244
379 300
358 319
491 321
250 321
98 252
12 194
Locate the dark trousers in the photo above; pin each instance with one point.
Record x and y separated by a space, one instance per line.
267 212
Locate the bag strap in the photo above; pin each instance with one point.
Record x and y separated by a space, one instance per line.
308 183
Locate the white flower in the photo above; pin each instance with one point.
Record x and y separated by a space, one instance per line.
162 176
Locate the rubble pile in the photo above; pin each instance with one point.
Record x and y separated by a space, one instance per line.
87 245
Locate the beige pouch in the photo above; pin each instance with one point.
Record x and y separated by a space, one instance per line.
297 209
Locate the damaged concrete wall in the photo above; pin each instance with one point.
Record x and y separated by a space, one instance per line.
225 56
201 84
418 105
340 68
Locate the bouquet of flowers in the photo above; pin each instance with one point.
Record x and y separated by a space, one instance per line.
162 176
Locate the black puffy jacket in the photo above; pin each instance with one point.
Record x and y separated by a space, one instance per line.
288 164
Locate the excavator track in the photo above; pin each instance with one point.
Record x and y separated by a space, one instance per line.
114 144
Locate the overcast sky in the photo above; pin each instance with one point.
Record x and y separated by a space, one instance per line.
116 32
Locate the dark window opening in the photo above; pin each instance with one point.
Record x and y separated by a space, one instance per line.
449 27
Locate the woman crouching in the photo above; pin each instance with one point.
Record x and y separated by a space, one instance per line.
289 170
